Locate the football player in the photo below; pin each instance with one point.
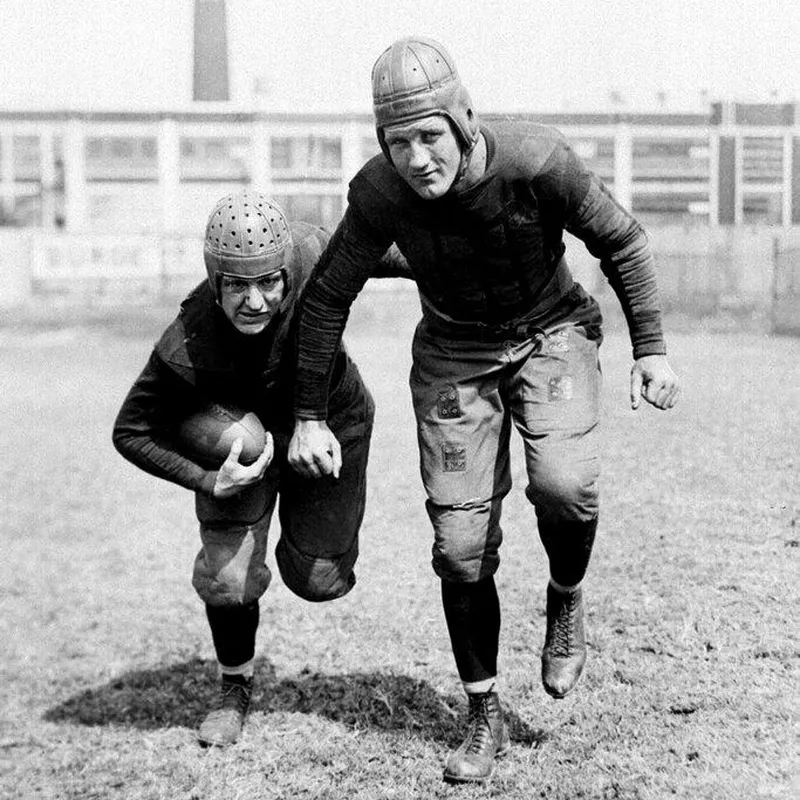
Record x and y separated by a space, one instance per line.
232 344
507 339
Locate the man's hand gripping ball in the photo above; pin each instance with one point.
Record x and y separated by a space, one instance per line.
230 440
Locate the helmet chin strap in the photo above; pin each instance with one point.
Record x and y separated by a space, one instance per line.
466 160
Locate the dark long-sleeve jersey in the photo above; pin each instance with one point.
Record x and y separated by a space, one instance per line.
201 358
483 256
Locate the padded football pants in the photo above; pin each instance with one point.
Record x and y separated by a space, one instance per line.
319 519
466 397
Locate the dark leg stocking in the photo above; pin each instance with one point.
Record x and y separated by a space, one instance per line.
472 612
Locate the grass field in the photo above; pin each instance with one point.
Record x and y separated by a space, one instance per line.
691 687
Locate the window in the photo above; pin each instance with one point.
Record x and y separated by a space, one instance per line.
762 208
28 210
94 149
121 158
329 153
121 148
27 158
670 208
148 149
307 156
670 160
762 159
214 158
281 158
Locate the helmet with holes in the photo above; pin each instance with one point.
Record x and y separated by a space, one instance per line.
414 78
247 235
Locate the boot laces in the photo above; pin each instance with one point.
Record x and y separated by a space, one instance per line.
563 641
235 696
479 731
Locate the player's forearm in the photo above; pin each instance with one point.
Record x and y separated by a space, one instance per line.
144 426
632 276
339 276
159 460
319 334
613 236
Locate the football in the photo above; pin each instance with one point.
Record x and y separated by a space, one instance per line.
207 435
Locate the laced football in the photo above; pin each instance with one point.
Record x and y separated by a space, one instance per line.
207 435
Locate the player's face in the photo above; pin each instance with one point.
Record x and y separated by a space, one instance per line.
426 153
251 303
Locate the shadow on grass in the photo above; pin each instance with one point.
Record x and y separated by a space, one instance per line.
179 696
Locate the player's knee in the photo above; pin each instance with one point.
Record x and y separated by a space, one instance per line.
565 491
464 567
229 569
230 586
316 578
466 540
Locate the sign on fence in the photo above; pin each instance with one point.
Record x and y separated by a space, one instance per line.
68 258
700 270
113 269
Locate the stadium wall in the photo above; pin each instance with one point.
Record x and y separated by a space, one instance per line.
701 270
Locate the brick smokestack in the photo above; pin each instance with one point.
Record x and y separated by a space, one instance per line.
210 52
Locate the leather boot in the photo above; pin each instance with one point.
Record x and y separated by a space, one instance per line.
564 652
487 739
222 726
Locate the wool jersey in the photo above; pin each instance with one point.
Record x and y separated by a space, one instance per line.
484 256
202 358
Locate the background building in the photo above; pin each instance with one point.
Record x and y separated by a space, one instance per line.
110 204
158 173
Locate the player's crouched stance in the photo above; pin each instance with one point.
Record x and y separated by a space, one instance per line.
231 345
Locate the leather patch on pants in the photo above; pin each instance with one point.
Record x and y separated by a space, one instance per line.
447 402
557 342
454 457
560 387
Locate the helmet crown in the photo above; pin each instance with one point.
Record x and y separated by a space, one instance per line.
411 66
416 77
247 234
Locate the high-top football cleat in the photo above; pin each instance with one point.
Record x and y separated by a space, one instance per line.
222 726
564 652
487 739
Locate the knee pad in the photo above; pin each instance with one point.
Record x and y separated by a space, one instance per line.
229 569
314 578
